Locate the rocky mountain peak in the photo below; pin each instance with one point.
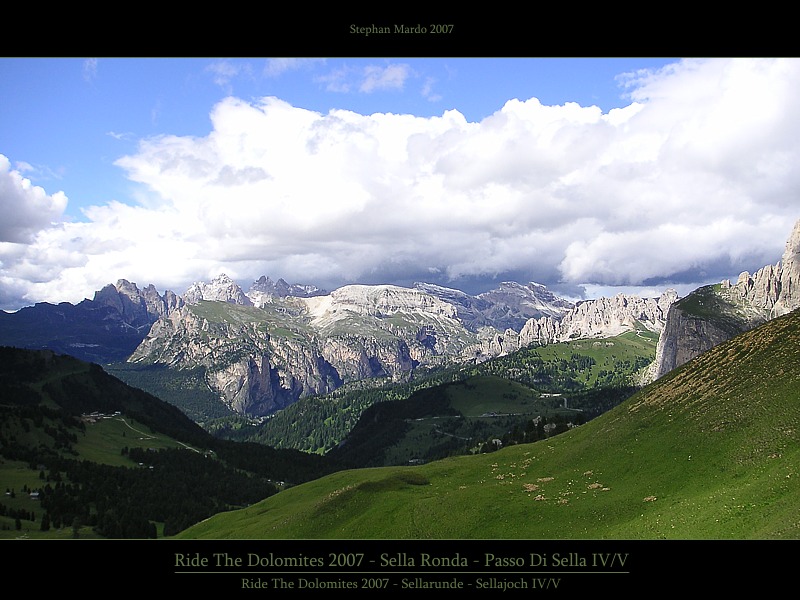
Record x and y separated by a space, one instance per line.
264 290
533 299
793 243
136 307
512 304
221 289
127 288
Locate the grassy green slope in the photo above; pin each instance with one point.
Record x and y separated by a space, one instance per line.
709 451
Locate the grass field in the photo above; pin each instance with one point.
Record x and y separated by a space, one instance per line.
105 439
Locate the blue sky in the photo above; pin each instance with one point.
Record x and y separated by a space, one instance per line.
590 175
69 119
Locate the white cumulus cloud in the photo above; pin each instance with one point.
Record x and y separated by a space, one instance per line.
26 208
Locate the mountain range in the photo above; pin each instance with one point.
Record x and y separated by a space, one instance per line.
262 349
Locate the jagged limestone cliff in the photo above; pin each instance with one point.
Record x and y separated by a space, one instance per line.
712 314
138 308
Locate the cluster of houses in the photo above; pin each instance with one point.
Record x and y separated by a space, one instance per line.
96 416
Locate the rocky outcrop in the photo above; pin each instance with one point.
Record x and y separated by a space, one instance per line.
713 314
357 358
261 383
773 288
607 317
684 337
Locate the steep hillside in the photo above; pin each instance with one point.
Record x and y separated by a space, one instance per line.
478 414
710 451
82 453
